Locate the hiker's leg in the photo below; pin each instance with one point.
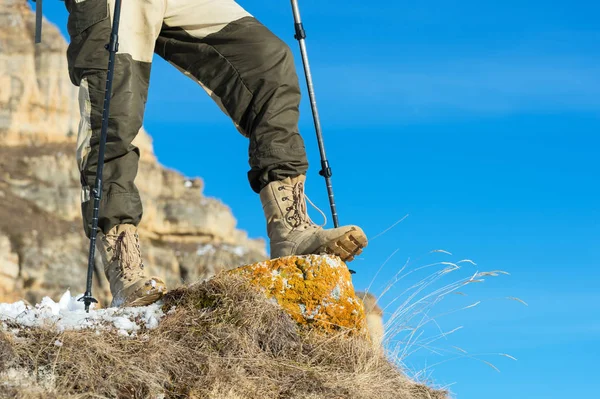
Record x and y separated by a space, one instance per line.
89 27
120 207
249 72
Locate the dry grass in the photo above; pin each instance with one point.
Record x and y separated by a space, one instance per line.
416 301
223 340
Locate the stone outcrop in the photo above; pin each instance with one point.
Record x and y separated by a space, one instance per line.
38 103
374 316
315 290
185 235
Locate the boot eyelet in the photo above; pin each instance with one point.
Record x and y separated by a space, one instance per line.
280 188
285 199
288 209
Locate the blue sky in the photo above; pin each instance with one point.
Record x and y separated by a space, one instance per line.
478 120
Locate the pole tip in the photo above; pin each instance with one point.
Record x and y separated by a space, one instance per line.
87 299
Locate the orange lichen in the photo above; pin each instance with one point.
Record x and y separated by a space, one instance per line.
315 290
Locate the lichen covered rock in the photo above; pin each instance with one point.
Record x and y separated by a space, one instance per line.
315 290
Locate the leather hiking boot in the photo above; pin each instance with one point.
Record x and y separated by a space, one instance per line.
123 267
292 232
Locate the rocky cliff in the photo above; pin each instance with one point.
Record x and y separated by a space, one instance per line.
185 235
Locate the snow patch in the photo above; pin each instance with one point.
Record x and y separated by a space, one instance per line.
205 250
237 250
69 314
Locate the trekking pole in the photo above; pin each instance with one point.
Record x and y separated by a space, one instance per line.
112 48
325 167
38 21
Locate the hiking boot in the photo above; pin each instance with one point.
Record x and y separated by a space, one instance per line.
292 232
123 267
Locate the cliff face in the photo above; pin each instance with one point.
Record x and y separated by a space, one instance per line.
38 103
185 235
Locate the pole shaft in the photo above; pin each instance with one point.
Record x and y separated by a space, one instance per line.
325 168
97 192
38 21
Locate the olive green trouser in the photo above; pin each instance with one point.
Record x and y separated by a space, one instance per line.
244 67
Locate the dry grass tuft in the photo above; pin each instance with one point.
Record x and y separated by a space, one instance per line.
221 339
415 303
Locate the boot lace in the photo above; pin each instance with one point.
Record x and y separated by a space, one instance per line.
128 254
297 213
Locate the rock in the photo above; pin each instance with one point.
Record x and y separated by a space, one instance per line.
37 99
374 318
315 290
9 267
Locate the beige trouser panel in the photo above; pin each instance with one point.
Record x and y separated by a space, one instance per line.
201 18
139 27
84 134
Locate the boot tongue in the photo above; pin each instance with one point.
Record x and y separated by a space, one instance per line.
129 254
300 215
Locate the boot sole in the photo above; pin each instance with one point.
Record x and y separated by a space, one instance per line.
346 246
145 300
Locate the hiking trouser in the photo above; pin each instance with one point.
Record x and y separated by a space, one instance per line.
245 68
